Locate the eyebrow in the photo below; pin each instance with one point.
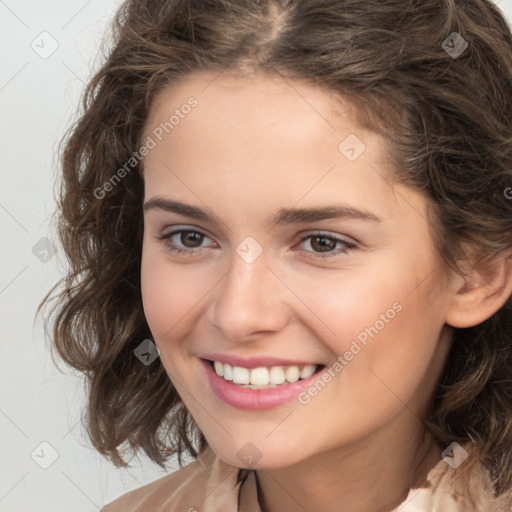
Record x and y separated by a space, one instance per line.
283 216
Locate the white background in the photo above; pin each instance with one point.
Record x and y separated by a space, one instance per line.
38 97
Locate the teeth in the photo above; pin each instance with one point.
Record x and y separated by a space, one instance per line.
228 372
263 378
307 371
240 375
277 375
219 368
292 374
259 377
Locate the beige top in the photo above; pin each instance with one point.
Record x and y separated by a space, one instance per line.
208 484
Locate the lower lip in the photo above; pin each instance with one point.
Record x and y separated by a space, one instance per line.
255 399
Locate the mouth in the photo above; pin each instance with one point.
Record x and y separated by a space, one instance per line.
264 377
260 387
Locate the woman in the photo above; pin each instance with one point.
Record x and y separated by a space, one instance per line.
289 230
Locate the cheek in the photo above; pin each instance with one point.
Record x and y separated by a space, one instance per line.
380 325
166 298
349 303
165 294
172 295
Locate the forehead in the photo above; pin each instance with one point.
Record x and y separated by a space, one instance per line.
263 105
247 96
263 137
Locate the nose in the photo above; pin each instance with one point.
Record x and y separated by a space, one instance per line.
250 301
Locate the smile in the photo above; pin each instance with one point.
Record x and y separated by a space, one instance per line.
263 377
236 386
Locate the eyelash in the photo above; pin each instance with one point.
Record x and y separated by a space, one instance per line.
349 246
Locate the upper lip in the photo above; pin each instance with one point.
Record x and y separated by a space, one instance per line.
254 362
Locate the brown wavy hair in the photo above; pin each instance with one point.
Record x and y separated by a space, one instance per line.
447 121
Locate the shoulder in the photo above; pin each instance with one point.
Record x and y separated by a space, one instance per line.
461 483
183 490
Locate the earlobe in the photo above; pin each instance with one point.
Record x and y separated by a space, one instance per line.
480 294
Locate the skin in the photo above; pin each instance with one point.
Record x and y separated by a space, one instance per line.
251 147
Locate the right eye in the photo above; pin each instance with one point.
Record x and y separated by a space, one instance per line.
182 241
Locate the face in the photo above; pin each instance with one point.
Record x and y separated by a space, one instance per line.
255 266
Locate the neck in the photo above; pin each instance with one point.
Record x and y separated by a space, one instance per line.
373 475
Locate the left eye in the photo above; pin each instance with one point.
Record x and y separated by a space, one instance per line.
323 245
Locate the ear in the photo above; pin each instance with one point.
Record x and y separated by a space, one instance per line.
482 292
